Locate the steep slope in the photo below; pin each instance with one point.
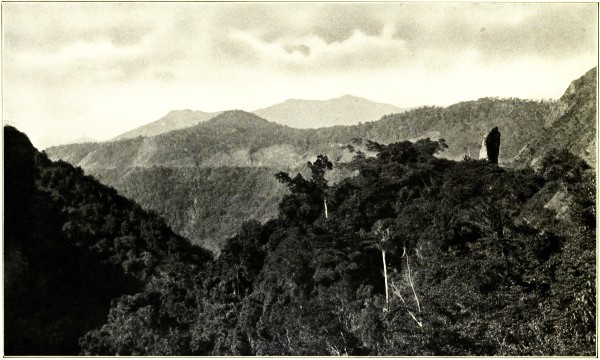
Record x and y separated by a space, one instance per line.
174 120
71 245
205 204
243 151
345 110
571 126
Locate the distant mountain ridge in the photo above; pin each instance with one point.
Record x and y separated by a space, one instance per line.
344 110
82 140
239 138
174 120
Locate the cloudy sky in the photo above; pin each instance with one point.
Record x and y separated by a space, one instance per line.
99 69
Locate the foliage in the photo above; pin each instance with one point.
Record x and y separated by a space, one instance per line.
226 163
481 260
71 245
205 205
477 265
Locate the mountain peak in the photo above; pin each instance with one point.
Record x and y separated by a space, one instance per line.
349 96
173 120
571 125
237 112
237 116
183 111
344 110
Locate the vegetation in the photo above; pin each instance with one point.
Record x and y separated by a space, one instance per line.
232 179
70 246
205 205
480 260
571 126
463 125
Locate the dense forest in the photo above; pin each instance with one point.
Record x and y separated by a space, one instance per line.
71 246
414 254
201 203
226 162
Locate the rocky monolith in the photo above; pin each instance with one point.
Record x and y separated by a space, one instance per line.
490 146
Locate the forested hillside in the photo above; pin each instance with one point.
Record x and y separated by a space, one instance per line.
71 245
238 138
202 203
253 149
572 124
418 255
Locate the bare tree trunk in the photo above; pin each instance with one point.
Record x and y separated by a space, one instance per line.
397 292
412 286
325 202
385 279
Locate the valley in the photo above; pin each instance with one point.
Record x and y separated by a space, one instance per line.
254 149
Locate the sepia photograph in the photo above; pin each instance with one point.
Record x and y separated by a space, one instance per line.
299 178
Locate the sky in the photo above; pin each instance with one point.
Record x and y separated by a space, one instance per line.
99 69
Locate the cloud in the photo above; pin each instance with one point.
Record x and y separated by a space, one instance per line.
96 43
501 31
556 32
313 54
129 63
48 27
326 33
146 39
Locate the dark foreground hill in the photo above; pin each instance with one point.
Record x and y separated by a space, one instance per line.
220 170
70 246
417 255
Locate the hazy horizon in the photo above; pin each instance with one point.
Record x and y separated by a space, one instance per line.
99 69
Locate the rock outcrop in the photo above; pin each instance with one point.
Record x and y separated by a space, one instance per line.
490 146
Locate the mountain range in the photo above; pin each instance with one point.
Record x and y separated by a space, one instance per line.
221 169
345 110
81 140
